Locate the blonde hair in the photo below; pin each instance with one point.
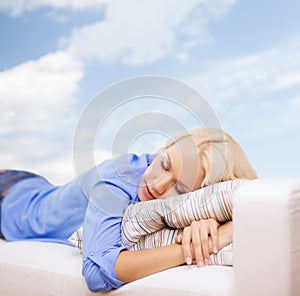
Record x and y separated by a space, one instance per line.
221 157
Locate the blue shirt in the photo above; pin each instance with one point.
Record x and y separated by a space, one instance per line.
35 209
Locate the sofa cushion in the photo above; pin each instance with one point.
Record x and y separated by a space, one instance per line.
39 268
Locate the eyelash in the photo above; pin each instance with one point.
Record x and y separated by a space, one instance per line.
179 191
162 164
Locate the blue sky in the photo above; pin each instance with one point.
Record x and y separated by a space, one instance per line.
243 56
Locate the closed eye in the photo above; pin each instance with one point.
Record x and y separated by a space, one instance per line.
164 164
179 189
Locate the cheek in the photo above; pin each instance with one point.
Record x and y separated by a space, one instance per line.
170 192
148 171
145 176
152 172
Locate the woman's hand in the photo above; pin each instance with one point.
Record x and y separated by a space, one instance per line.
195 241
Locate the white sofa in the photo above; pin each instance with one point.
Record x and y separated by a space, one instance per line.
266 256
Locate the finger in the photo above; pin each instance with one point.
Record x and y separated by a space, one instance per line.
178 238
214 237
186 245
196 244
204 240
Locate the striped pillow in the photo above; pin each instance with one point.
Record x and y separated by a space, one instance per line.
156 223
76 238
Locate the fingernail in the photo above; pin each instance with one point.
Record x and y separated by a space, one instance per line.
200 263
206 261
215 250
188 260
179 238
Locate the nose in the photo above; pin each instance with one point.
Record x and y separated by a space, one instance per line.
162 184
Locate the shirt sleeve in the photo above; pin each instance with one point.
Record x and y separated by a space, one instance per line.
36 209
102 236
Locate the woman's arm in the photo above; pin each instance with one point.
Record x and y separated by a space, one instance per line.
132 265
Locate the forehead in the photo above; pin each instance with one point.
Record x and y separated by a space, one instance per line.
185 161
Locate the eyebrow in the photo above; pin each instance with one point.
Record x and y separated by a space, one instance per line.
178 182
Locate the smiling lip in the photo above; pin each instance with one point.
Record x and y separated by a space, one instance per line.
148 192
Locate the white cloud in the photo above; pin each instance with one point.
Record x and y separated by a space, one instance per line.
41 87
37 106
17 7
60 169
266 71
257 90
290 115
140 32
286 80
133 31
182 56
263 72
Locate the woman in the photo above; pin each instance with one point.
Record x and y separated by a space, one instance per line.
35 209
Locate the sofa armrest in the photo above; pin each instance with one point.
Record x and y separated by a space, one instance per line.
266 238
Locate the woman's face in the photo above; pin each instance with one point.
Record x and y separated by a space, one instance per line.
176 170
